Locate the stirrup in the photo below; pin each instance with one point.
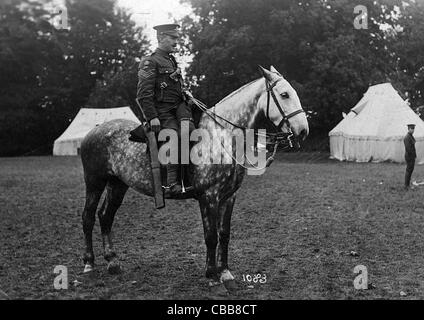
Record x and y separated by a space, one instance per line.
169 186
187 189
172 189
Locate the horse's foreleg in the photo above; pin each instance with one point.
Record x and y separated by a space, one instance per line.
224 228
114 196
88 219
209 215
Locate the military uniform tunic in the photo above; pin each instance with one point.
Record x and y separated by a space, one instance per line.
160 88
160 92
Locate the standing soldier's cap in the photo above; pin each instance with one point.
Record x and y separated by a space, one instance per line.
168 29
411 126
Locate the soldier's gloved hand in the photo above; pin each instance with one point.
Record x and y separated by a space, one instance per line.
188 98
188 94
155 125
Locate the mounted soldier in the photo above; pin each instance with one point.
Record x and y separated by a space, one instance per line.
160 92
113 162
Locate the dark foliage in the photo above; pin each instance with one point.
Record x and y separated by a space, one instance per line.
48 74
313 44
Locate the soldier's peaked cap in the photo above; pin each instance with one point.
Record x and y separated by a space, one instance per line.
168 29
411 125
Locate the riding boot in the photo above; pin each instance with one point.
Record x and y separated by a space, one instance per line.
172 185
185 171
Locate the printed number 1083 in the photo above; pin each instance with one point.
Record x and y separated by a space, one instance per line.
261 278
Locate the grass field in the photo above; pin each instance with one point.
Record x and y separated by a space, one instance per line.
298 224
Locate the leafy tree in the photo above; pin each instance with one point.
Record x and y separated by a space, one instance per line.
48 74
313 43
29 53
118 88
409 49
103 40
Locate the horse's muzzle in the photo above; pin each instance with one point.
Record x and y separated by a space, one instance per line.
303 134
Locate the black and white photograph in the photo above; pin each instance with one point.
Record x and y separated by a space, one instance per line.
229 152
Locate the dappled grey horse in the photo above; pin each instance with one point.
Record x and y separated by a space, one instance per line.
113 162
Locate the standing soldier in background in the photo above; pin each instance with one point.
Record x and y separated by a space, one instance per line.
410 154
160 92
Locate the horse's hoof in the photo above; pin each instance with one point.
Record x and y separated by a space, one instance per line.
230 285
217 288
114 267
88 268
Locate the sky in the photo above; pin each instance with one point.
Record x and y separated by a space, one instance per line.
148 13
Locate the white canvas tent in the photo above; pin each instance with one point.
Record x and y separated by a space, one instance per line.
70 141
374 129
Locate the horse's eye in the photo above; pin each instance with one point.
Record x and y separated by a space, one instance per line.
285 95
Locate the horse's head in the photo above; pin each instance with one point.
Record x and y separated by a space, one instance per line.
281 104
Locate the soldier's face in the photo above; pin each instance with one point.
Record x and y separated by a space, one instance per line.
411 130
168 43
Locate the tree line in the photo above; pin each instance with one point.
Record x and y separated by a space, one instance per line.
315 45
48 74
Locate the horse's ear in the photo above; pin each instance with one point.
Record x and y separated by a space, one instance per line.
262 70
265 73
272 69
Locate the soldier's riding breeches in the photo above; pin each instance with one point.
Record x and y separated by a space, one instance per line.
172 119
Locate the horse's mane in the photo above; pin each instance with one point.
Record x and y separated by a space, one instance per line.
237 91
198 113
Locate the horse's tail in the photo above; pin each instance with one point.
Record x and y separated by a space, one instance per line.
102 207
94 157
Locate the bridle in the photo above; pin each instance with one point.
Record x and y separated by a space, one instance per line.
285 118
278 137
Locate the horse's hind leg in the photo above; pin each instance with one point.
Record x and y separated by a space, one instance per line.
93 193
114 196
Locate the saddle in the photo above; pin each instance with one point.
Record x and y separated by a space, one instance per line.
143 134
139 134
